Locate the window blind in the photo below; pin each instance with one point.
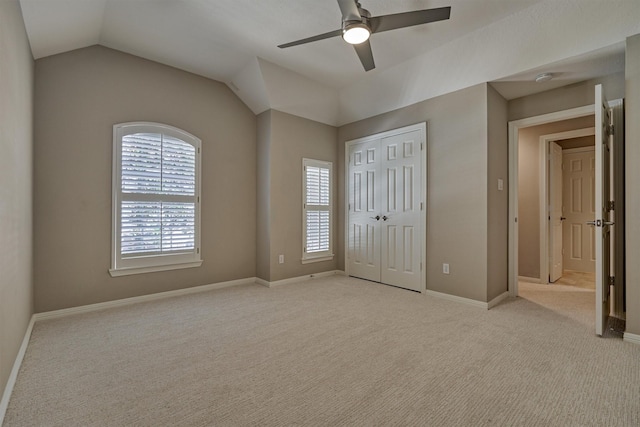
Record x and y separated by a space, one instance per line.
317 207
158 191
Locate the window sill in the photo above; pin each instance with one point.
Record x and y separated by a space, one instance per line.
317 259
139 270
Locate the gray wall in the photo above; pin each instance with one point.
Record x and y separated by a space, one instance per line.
79 95
566 97
632 146
498 200
263 220
529 190
290 139
457 182
16 146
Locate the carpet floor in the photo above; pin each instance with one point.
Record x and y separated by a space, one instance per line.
331 351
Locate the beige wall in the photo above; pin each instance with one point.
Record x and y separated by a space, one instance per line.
564 98
529 190
632 146
290 139
79 95
457 162
498 200
263 201
16 146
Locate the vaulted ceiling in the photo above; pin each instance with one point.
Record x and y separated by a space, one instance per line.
235 41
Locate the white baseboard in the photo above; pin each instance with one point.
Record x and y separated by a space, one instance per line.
497 300
142 298
632 338
13 376
529 279
455 298
299 278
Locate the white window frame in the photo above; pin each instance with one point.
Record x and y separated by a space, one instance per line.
121 266
323 255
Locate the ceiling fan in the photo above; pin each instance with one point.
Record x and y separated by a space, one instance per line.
358 25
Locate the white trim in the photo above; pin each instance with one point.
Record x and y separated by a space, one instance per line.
299 279
262 282
514 127
578 150
545 172
497 300
317 259
140 262
422 126
327 254
13 376
455 298
142 298
138 270
628 337
468 301
530 279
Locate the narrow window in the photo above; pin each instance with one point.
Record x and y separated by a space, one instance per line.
156 199
317 211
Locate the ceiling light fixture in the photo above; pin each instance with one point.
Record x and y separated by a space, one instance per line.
544 77
356 33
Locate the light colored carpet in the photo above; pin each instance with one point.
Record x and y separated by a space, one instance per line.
579 279
333 351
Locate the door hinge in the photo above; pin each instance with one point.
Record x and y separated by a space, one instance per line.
611 130
611 205
421 146
612 281
420 205
420 266
198 250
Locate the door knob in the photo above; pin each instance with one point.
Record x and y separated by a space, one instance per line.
384 218
377 217
562 218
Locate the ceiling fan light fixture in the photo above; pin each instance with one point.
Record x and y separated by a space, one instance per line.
356 33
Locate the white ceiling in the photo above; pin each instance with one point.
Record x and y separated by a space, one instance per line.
235 41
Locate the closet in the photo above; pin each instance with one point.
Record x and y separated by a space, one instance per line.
386 207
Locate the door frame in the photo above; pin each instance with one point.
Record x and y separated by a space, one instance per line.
545 179
514 129
422 127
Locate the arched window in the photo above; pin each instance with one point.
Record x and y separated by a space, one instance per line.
156 199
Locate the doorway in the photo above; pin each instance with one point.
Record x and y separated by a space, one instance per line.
386 221
604 226
567 191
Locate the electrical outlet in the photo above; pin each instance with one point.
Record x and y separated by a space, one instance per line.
445 268
280 259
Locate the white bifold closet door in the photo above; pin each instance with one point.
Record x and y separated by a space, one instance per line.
385 231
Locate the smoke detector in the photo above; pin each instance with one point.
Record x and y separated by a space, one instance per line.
544 77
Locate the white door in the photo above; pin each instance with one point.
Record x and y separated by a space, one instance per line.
578 201
385 232
555 211
364 211
602 221
401 230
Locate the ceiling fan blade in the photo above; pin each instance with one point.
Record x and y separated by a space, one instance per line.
312 39
408 19
365 54
349 10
